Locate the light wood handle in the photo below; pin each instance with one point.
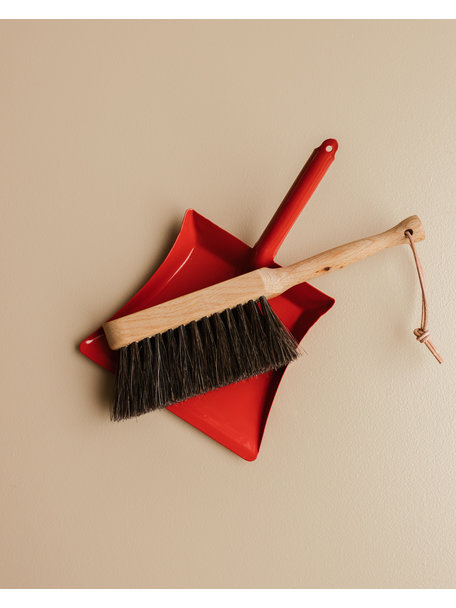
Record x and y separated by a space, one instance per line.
268 282
344 255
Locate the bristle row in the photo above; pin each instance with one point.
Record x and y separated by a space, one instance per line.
201 356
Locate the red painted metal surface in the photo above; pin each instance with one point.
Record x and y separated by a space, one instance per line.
204 254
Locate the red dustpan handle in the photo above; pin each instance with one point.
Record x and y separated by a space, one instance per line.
293 203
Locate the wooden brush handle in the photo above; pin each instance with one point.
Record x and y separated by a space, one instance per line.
268 282
344 255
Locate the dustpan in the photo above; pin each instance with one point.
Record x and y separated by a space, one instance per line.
204 254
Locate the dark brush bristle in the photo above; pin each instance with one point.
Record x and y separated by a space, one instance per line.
199 357
280 352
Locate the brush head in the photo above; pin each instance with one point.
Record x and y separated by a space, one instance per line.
199 357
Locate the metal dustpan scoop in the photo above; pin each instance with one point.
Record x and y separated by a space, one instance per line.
204 254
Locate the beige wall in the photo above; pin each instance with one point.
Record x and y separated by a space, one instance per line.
109 131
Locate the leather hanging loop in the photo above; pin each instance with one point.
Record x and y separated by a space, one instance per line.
422 333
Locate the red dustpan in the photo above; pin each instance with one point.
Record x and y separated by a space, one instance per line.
204 254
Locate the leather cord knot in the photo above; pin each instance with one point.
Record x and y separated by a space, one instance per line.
422 333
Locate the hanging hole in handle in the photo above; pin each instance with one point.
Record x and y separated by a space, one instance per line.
410 231
329 146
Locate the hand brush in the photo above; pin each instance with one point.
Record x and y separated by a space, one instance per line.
221 334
